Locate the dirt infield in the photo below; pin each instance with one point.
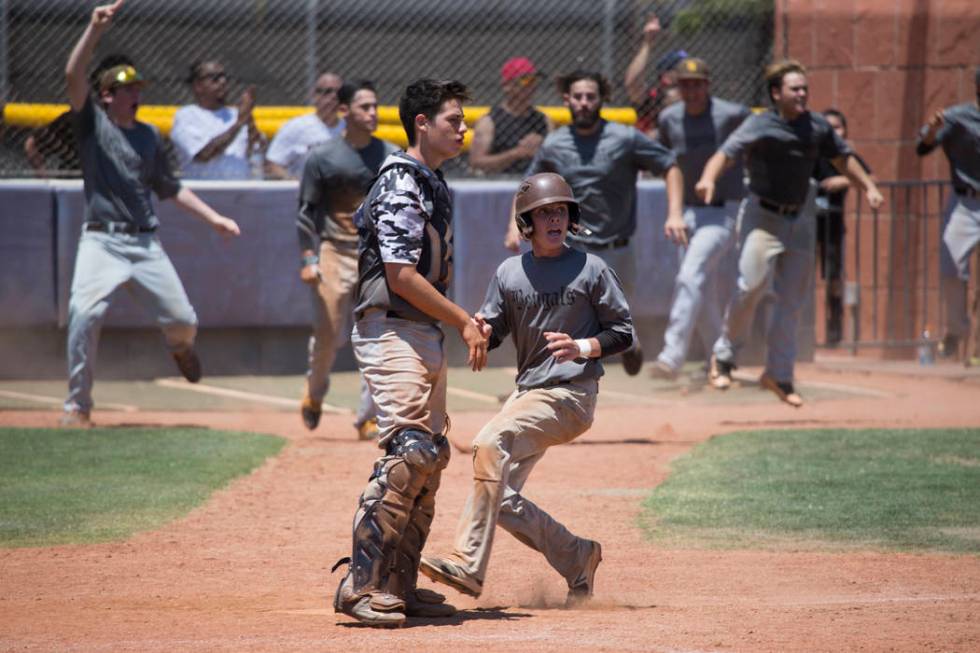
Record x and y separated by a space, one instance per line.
250 570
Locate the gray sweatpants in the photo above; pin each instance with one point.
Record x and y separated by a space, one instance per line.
104 263
773 248
504 453
698 303
960 237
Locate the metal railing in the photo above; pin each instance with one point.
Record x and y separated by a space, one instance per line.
893 292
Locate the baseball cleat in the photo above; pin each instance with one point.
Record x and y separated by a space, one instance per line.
633 360
582 588
720 373
661 370
75 419
784 391
375 608
421 603
310 411
188 364
448 573
368 430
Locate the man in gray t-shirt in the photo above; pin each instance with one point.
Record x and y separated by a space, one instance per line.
564 310
694 129
776 233
957 129
122 161
600 161
336 176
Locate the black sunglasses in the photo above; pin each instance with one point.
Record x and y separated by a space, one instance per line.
214 77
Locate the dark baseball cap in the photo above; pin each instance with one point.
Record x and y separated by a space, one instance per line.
692 68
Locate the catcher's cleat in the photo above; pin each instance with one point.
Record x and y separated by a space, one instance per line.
368 430
422 603
188 364
633 360
75 419
582 588
448 573
310 411
720 373
375 608
661 370
784 391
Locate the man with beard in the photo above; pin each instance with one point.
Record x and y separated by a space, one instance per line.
776 234
600 161
337 175
214 141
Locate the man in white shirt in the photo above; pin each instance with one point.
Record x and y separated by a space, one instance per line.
294 140
213 141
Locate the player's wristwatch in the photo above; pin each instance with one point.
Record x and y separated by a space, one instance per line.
312 259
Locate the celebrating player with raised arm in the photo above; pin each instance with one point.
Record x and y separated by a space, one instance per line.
123 160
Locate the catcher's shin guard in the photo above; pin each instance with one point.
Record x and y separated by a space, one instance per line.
386 505
404 575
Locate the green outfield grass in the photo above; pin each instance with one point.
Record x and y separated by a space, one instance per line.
61 486
824 489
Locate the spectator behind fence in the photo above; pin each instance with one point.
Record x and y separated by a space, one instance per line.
775 229
123 160
650 101
604 184
292 143
505 140
957 129
215 141
336 176
831 194
51 150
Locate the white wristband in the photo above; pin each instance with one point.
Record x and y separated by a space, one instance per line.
584 347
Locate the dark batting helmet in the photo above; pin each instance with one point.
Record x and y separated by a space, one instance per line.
538 190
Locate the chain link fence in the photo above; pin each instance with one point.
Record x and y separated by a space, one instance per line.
280 46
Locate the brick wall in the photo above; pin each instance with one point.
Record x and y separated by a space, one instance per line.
887 65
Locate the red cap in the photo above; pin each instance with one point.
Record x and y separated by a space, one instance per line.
517 67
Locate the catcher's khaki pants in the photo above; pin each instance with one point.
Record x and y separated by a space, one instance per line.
404 364
504 452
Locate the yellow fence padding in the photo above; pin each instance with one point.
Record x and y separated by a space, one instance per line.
270 118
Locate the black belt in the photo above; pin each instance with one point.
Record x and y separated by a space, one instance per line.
967 191
781 209
118 228
701 205
616 244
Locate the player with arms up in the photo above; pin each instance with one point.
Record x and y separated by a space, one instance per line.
404 266
122 160
564 309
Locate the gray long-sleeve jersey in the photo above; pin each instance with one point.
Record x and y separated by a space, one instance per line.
960 138
574 293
